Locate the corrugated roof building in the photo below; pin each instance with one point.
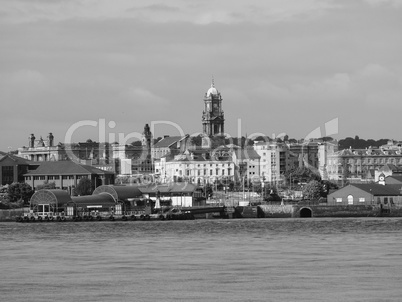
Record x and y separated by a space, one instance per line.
66 174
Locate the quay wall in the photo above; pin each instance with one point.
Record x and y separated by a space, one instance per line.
345 211
10 214
276 211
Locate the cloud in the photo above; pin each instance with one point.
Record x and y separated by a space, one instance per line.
141 96
395 3
23 83
157 8
368 83
204 12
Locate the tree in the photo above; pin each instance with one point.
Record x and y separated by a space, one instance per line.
301 175
47 186
84 187
327 186
19 191
312 190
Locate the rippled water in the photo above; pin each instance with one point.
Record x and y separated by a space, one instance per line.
203 260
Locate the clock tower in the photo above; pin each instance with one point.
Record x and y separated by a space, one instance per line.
212 116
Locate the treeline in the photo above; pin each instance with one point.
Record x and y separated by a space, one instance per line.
358 143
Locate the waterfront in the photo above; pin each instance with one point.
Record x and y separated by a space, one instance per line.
351 259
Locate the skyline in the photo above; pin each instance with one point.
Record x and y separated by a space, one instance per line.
281 66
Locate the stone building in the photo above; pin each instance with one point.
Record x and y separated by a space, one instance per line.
213 116
360 164
89 152
197 166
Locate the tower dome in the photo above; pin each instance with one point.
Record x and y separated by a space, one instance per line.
212 90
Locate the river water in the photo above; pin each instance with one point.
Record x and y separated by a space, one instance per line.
203 260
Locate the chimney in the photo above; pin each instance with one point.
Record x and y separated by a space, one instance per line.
31 143
50 139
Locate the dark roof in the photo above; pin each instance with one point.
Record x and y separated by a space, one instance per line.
167 141
379 190
65 168
397 178
119 192
101 200
18 160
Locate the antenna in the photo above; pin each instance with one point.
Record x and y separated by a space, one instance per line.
212 83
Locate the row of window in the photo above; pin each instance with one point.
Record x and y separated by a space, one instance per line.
54 177
350 199
205 172
358 161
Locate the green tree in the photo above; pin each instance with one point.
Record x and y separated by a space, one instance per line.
312 190
84 187
19 191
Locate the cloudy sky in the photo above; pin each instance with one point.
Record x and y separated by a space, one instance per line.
282 66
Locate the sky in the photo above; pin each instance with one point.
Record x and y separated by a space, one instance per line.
101 70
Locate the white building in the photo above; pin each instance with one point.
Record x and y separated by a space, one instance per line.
194 166
274 158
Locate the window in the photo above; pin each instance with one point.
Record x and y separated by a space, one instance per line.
350 199
338 199
362 199
385 200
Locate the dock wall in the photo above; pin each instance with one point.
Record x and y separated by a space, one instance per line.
345 211
10 215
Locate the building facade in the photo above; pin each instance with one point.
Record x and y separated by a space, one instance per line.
12 168
66 175
360 164
247 163
195 166
274 160
89 152
367 194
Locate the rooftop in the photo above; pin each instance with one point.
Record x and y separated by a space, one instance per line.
65 168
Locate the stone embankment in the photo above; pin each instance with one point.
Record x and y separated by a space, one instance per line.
10 215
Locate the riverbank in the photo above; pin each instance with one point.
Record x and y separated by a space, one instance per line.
272 211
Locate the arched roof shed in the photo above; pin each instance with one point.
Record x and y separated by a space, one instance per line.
119 193
54 197
94 201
